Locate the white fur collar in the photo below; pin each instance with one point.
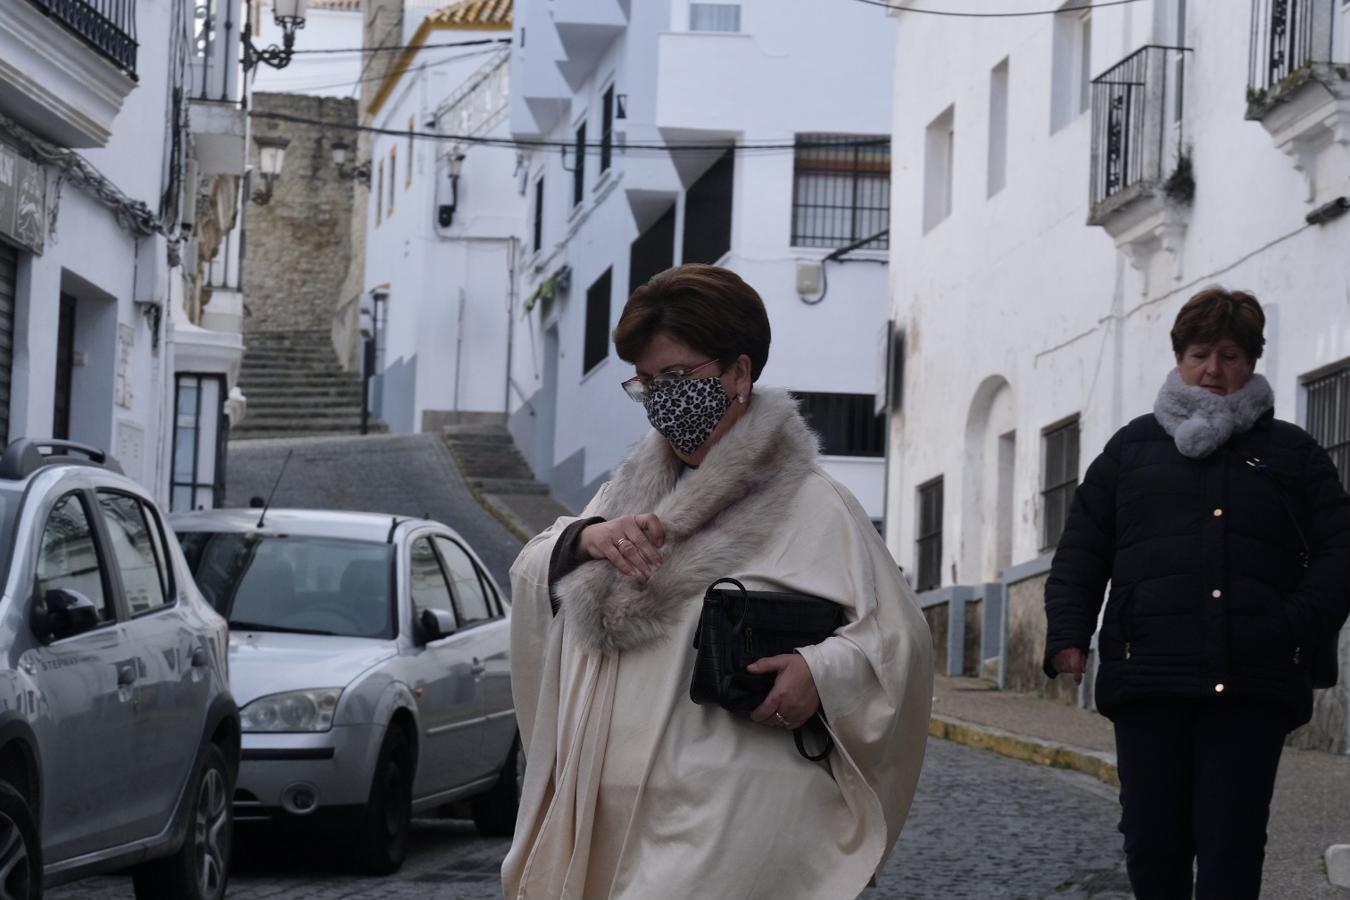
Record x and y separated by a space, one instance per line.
714 518
1201 422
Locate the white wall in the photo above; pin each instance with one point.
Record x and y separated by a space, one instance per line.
1017 287
781 76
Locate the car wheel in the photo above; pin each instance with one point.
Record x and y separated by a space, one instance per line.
382 841
20 851
494 813
201 866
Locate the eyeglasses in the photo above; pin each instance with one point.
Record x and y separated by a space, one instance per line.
637 386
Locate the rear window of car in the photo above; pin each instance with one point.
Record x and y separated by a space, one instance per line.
300 585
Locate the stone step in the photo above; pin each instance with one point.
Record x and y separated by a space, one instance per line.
509 485
306 391
325 368
273 408
336 379
274 422
473 432
241 434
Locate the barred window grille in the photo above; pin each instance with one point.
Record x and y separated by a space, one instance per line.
930 536
1060 481
714 17
841 190
1329 417
846 423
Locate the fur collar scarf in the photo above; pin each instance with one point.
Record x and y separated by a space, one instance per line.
1201 422
715 517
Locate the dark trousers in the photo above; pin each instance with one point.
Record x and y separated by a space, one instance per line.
1196 779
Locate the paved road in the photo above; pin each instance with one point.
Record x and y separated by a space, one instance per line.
983 826
404 475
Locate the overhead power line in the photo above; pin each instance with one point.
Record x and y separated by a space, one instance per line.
775 146
397 47
885 4
299 86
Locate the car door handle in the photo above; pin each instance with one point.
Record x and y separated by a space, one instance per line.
200 658
126 675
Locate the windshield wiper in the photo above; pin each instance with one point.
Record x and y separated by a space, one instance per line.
281 629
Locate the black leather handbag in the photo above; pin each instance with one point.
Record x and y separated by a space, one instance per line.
738 627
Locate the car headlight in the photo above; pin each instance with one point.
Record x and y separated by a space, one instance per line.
292 711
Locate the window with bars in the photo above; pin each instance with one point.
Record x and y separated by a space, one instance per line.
1329 417
579 161
846 423
606 128
714 17
841 191
596 346
1059 481
929 542
199 435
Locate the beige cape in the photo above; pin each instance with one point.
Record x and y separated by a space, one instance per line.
631 789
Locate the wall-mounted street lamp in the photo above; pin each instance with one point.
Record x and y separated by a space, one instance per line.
271 157
359 172
290 15
454 163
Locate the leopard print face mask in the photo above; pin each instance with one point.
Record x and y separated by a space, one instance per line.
687 412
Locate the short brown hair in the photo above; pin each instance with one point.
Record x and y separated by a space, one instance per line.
1215 314
707 307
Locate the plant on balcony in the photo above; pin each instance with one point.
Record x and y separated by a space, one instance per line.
1180 185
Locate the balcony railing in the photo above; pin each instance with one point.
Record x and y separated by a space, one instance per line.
1136 123
215 50
108 26
1288 36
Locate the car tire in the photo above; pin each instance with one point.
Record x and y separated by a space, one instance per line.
494 813
200 868
20 849
382 839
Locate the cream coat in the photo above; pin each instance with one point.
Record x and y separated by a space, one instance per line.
631 789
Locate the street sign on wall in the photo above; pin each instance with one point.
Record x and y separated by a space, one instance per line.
23 200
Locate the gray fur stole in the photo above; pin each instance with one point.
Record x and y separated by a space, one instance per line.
716 517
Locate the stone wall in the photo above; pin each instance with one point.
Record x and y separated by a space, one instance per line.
299 254
1026 643
1327 730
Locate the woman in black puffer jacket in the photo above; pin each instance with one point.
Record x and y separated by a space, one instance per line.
1225 535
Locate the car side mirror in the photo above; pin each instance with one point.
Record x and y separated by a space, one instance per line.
436 624
62 613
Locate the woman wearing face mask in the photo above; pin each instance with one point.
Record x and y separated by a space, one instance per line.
1225 534
633 790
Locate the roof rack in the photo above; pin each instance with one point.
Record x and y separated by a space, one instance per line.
25 456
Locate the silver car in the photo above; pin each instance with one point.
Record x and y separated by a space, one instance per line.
118 736
369 656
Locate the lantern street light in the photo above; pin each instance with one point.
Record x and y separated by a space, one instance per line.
359 172
290 16
271 157
454 163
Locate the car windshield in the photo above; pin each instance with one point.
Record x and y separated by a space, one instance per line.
295 584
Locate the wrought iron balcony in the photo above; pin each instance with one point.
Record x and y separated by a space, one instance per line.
1288 36
215 50
1137 146
107 26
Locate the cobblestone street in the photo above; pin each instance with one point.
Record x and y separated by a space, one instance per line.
982 826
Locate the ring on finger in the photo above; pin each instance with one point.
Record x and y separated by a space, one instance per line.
781 721
621 541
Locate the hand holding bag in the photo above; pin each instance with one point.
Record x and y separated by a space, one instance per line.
738 627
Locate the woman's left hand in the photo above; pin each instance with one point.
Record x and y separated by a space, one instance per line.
794 698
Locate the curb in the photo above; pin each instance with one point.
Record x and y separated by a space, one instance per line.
1101 766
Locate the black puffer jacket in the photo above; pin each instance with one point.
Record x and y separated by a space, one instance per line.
1210 595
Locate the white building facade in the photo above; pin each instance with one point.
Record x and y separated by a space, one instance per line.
443 224
1071 181
676 132
122 139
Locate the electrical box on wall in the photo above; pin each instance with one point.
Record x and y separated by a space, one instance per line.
808 278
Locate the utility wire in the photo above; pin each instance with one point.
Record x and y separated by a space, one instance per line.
302 87
884 4
384 49
589 148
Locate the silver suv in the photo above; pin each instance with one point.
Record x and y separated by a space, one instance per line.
119 740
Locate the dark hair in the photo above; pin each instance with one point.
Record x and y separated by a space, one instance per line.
707 307
1215 314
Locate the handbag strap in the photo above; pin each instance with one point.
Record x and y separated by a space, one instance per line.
801 744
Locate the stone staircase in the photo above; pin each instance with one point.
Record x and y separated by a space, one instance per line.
489 461
295 388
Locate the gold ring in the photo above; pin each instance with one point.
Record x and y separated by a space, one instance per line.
782 721
621 541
